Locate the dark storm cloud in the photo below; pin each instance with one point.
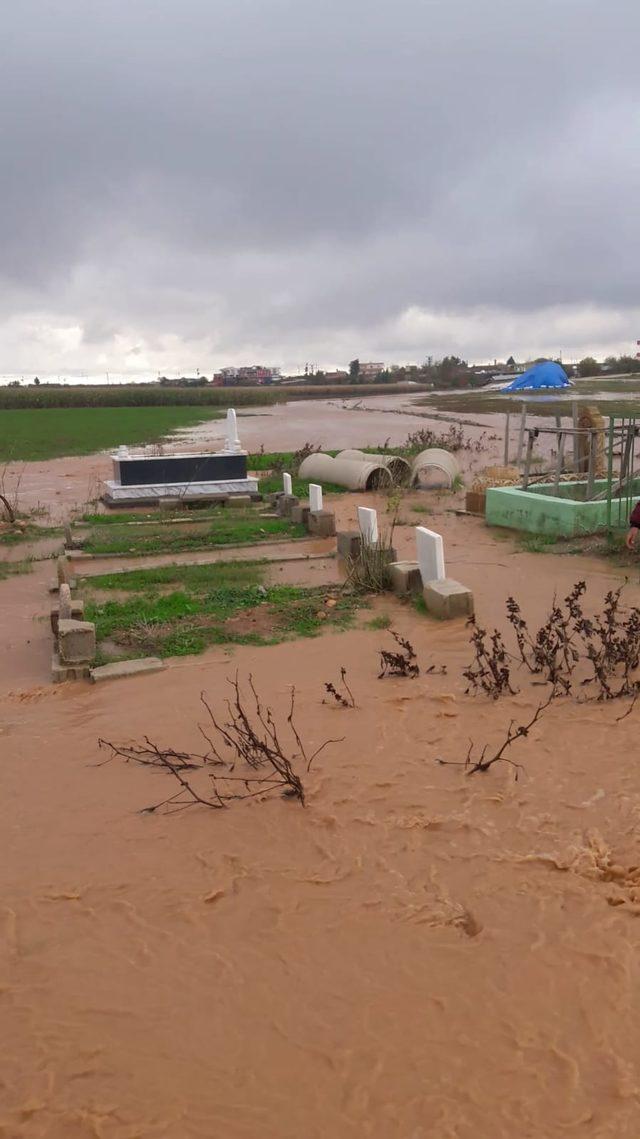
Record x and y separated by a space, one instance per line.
277 174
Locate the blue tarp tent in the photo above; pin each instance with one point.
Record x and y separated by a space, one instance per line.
546 375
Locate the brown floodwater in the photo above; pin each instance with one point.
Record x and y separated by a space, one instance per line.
417 953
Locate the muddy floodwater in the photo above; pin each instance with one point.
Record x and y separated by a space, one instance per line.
417 953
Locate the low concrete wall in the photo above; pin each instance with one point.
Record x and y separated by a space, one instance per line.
539 511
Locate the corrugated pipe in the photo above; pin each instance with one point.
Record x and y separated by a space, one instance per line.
438 459
352 474
398 467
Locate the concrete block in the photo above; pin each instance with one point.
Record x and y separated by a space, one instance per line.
349 544
124 668
322 523
447 598
300 513
76 641
287 485
61 672
405 578
285 505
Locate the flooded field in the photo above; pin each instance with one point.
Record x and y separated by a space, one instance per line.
416 952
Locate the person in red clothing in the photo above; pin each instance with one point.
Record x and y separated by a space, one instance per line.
634 526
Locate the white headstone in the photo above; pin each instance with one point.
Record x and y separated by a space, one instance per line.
287 485
368 524
430 555
232 442
315 497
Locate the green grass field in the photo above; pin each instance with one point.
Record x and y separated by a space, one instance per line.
52 433
179 610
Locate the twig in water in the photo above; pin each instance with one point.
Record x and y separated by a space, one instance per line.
343 701
403 663
472 765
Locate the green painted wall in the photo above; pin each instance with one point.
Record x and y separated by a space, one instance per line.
540 512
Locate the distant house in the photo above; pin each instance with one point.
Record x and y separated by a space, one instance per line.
246 376
369 371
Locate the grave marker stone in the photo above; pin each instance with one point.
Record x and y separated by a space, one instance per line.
232 444
315 497
368 524
430 555
287 485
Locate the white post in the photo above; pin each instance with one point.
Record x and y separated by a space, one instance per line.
233 441
368 524
430 555
315 498
287 485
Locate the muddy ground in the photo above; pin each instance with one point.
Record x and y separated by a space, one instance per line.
415 953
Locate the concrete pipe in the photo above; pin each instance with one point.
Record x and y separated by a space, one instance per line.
435 459
398 467
348 473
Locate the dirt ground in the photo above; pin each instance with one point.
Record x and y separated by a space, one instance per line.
417 953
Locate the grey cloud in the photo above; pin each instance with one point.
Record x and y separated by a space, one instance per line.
273 174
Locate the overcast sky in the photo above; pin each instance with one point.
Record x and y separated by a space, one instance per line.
193 183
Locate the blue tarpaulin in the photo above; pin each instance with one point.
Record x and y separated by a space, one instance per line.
546 375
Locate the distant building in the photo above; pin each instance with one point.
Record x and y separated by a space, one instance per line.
252 375
338 377
370 371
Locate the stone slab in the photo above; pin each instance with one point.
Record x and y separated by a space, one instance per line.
448 598
76 641
322 523
149 494
349 544
287 485
405 578
125 668
430 549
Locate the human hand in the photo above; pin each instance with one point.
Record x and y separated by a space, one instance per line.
630 539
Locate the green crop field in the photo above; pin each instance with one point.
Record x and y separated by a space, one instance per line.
52 433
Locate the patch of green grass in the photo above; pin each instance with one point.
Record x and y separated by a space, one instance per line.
419 509
30 533
196 578
536 543
10 569
136 517
382 621
228 529
51 433
202 612
419 605
273 483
